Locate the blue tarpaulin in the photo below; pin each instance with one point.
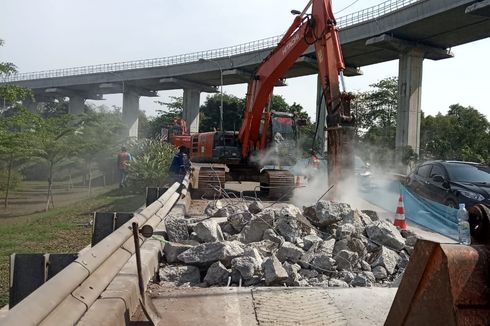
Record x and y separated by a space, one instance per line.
437 217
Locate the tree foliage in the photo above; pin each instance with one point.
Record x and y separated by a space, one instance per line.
165 116
17 139
10 94
151 159
232 113
462 134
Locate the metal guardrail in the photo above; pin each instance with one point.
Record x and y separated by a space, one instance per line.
343 22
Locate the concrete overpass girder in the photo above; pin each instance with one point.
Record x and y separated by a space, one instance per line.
67 92
481 8
186 84
399 45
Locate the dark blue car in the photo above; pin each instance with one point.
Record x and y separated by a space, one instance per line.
451 182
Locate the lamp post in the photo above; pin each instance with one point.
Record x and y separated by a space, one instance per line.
221 90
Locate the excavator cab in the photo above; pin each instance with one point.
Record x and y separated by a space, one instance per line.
282 139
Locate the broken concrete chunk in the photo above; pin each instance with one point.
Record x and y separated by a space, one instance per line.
254 230
333 282
347 276
361 280
207 253
213 207
365 266
369 276
373 215
308 273
385 257
208 231
177 229
323 263
326 212
171 250
180 274
346 260
217 274
404 258
239 220
363 218
265 247
411 241
407 233
288 227
227 228
255 207
326 247
290 210
292 270
254 253
307 257
245 266
271 235
386 234
380 272
309 240
346 230
224 212
273 271
290 252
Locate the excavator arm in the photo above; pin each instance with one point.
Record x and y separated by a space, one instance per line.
318 29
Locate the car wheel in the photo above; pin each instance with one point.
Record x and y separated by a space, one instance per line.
451 203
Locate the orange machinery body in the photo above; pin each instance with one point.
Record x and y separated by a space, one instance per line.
316 28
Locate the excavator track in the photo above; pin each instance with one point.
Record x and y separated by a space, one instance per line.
211 181
277 184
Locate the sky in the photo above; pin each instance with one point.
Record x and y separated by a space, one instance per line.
52 34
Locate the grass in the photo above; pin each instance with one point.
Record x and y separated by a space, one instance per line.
61 230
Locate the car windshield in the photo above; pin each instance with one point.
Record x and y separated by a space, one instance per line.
468 173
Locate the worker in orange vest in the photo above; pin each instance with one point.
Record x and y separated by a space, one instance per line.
123 159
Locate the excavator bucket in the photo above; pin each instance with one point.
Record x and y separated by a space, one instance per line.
444 284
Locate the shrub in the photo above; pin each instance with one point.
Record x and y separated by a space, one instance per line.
151 161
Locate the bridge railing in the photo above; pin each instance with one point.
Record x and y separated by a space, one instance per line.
343 22
373 12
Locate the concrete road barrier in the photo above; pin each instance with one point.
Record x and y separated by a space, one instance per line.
68 295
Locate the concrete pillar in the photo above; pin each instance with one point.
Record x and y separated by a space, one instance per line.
76 104
409 100
191 109
130 112
321 137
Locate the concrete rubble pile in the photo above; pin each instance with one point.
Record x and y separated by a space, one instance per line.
327 244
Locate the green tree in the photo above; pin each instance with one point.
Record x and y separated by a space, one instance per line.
10 94
376 113
461 134
17 137
232 113
58 138
166 116
98 134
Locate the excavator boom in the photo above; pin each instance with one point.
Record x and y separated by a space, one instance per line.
318 29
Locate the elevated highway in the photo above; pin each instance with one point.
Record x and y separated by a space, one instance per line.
408 30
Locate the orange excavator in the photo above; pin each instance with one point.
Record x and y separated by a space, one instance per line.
267 141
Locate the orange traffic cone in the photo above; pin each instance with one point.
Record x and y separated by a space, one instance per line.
400 215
